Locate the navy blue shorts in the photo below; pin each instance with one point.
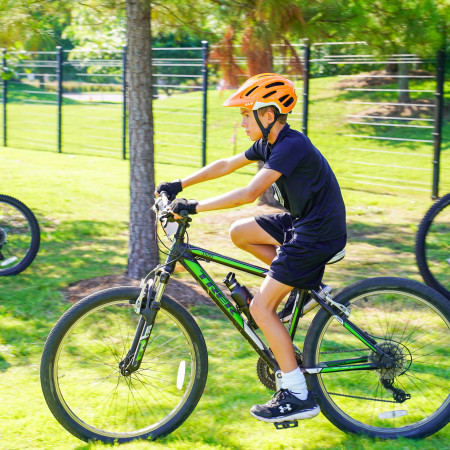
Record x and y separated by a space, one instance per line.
298 263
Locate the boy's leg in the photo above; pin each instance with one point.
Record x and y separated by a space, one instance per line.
263 310
293 401
249 236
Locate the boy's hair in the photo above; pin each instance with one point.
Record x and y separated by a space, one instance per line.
281 118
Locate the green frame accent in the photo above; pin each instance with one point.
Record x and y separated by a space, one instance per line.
349 367
189 256
227 261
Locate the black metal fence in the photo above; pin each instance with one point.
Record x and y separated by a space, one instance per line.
75 102
379 119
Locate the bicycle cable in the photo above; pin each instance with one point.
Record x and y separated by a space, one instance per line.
158 238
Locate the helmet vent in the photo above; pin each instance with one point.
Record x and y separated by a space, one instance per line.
276 83
288 102
282 99
251 90
269 94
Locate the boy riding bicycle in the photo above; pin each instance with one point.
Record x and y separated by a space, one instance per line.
296 244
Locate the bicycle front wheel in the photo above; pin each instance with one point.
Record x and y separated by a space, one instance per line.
19 236
82 382
410 322
433 246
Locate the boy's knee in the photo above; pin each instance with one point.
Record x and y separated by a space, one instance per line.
238 232
257 310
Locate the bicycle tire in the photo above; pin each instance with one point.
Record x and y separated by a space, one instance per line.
407 319
421 247
81 380
18 251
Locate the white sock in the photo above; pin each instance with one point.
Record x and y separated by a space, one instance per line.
295 382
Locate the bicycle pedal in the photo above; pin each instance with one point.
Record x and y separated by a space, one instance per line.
289 424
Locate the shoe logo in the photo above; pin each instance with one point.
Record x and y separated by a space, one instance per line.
287 408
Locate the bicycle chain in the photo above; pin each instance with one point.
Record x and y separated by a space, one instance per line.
344 351
355 396
363 398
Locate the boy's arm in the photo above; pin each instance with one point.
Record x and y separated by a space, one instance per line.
248 194
216 169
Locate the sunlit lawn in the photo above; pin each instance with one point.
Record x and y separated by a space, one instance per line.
81 202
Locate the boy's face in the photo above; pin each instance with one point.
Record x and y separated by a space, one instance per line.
250 126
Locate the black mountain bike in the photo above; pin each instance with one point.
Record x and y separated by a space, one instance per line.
19 236
433 246
131 363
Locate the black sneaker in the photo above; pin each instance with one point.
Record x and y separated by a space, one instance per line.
285 406
286 313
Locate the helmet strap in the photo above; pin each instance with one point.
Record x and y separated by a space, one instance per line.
265 131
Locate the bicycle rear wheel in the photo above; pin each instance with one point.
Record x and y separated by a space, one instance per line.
410 322
19 236
433 246
84 387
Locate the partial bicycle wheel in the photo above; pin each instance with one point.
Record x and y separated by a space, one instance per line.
19 236
82 382
409 321
433 246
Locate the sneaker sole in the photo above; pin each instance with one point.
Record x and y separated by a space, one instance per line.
299 416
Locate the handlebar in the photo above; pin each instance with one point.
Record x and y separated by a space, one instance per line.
160 207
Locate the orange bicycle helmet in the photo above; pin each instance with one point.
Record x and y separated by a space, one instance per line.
263 90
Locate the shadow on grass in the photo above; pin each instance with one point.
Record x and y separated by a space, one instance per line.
23 93
383 236
31 302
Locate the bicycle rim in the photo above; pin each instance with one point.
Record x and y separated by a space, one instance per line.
416 334
92 390
16 236
437 250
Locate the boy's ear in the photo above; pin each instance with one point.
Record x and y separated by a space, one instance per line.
270 115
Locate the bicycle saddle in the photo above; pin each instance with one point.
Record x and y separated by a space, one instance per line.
337 257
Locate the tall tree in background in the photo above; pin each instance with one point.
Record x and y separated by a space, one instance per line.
143 252
402 27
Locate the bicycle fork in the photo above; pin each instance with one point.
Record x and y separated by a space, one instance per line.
148 312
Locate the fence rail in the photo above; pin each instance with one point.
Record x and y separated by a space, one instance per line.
378 129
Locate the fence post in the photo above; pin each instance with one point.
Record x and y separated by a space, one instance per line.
124 102
59 76
5 97
205 97
306 68
440 72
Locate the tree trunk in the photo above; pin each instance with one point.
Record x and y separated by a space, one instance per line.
143 252
403 83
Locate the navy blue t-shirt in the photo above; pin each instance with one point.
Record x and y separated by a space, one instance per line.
307 187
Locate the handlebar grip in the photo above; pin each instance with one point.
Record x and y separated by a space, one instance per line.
184 213
165 197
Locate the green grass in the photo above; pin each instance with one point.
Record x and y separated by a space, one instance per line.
391 164
81 203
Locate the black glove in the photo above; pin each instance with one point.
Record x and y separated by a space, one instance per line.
181 204
173 188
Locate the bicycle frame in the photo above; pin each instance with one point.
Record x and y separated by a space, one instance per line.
189 256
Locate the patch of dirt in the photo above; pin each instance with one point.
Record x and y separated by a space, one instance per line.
413 111
186 292
382 77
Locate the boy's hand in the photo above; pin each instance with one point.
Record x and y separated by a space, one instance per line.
173 188
181 204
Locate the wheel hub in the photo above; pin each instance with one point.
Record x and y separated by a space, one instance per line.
3 236
399 355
